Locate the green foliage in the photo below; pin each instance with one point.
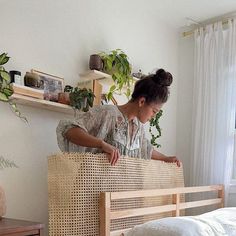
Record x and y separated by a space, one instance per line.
68 89
116 64
4 163
5 87
81 98
154 122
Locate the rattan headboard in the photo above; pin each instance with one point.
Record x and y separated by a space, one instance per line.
76 180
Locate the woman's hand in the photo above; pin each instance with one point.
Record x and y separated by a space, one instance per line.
159 156
173 159
112 152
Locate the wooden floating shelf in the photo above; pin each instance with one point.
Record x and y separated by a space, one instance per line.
43 104
96 75
58 107
93 75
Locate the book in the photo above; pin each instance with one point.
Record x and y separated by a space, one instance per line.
27 91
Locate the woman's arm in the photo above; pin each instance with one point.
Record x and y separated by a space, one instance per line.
160 157
80 137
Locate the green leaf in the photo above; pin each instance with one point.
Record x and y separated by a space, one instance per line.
17 112
112 88
154 122
128 92
109 96
3 97
109 65
5 76
8 91
4 58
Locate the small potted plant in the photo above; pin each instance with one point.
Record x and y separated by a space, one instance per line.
5 87
117 65
81 98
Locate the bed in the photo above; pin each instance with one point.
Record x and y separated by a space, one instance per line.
214 223
218 223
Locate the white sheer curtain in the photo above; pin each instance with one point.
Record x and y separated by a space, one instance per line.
214 104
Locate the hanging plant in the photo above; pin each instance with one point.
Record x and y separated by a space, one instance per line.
5 87
154 122
116 64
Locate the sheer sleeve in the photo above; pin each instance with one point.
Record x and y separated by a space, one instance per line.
96 121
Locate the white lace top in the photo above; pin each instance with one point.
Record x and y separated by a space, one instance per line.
108 123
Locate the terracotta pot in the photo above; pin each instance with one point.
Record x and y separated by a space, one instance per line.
2 202
64 98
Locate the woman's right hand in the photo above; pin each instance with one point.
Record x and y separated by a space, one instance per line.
112 152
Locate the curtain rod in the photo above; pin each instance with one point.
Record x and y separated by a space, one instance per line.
190 32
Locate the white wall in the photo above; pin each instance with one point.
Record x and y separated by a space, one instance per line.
57 37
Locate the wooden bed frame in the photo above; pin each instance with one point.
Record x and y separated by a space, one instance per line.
106 215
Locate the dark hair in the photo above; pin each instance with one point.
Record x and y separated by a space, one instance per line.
154 87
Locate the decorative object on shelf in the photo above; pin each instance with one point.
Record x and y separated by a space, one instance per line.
68 89
81 99
5 88
4 163
16 77
33 80
64 97
117 65
95 62
139 74
154 122
53 85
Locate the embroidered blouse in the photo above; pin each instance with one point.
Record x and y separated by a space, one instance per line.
108 123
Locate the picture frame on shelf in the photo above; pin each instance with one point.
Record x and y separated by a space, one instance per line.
53 85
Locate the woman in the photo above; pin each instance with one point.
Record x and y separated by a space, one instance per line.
118 130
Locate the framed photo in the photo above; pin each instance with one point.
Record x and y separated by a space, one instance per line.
52 85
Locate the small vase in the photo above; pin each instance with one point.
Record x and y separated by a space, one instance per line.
95 62
2 202
64 98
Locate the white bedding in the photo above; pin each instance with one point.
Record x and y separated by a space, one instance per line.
220 222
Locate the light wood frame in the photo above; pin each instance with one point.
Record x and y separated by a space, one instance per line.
106 215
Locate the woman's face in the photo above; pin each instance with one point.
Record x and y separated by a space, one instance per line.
147 111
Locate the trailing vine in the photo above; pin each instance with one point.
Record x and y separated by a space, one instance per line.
6 89
154 122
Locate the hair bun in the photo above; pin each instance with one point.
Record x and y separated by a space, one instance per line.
163 77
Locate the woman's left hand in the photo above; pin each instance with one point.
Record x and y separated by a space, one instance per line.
173 159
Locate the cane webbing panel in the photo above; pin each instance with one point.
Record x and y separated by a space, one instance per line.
75 181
